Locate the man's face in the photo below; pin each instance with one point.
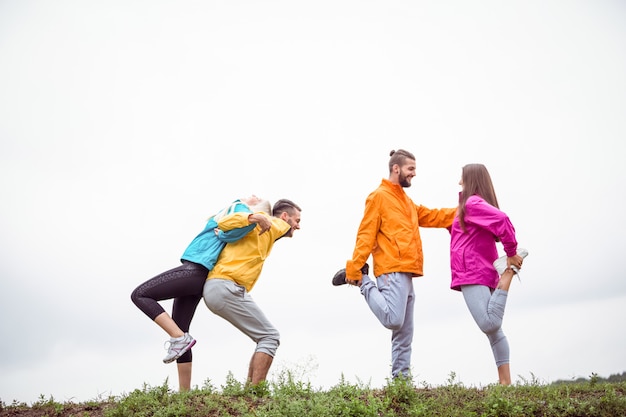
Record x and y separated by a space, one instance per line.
293 220
407 172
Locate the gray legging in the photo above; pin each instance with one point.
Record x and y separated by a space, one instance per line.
487 308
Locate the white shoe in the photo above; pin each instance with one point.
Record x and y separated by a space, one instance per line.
178 346
501 266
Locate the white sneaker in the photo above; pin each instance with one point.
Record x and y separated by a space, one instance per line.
501 266
178 346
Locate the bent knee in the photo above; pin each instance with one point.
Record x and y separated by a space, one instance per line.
490 328
393 322
135 296
269 343
214 300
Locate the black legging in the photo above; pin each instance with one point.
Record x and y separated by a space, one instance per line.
184 284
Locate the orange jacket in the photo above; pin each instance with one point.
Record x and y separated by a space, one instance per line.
390 232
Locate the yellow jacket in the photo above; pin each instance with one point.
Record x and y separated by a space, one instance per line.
242 261
390 232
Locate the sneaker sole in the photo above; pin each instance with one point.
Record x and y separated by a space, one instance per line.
338 279
520 251
181 353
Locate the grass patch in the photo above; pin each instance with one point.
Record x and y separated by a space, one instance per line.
289 396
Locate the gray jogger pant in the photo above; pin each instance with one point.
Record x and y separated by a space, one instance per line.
392 300
233 303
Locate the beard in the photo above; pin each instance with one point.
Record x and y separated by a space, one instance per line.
404 181
289 233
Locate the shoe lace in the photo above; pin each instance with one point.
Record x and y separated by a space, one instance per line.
169 344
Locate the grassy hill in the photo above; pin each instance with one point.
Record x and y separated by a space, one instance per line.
288 397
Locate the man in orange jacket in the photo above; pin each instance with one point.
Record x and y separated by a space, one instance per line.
389 231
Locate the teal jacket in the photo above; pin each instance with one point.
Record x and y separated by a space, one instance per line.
205 248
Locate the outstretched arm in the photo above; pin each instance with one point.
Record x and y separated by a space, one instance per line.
235 226
435 217
234 234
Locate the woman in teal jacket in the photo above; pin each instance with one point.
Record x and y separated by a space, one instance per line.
185 282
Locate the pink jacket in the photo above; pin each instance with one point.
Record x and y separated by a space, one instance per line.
472 252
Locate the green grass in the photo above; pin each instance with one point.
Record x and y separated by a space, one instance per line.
288 396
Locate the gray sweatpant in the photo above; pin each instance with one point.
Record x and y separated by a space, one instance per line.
233 303
392 300
487 308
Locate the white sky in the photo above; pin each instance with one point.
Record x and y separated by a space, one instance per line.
125 124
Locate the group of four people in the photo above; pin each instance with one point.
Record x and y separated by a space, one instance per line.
224 261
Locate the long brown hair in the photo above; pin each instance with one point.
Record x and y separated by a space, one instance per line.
476 181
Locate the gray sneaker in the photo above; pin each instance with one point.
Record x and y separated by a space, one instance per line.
340 276
500 263
178 346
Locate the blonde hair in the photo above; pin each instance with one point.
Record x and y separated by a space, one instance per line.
262 205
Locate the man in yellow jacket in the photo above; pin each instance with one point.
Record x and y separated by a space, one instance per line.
389 231
235 273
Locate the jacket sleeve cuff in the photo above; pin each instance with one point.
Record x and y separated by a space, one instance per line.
353 272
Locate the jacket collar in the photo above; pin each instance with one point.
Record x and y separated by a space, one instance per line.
395 188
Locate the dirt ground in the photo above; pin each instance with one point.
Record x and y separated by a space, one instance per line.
64 410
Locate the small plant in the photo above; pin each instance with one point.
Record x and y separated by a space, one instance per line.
593 379
501 402
208 386
287 384
233 387
451 381
347 390
49 405
262 389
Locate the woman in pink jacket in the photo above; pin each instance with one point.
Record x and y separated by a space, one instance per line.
479 224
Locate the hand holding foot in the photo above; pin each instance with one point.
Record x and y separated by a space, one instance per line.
340 277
